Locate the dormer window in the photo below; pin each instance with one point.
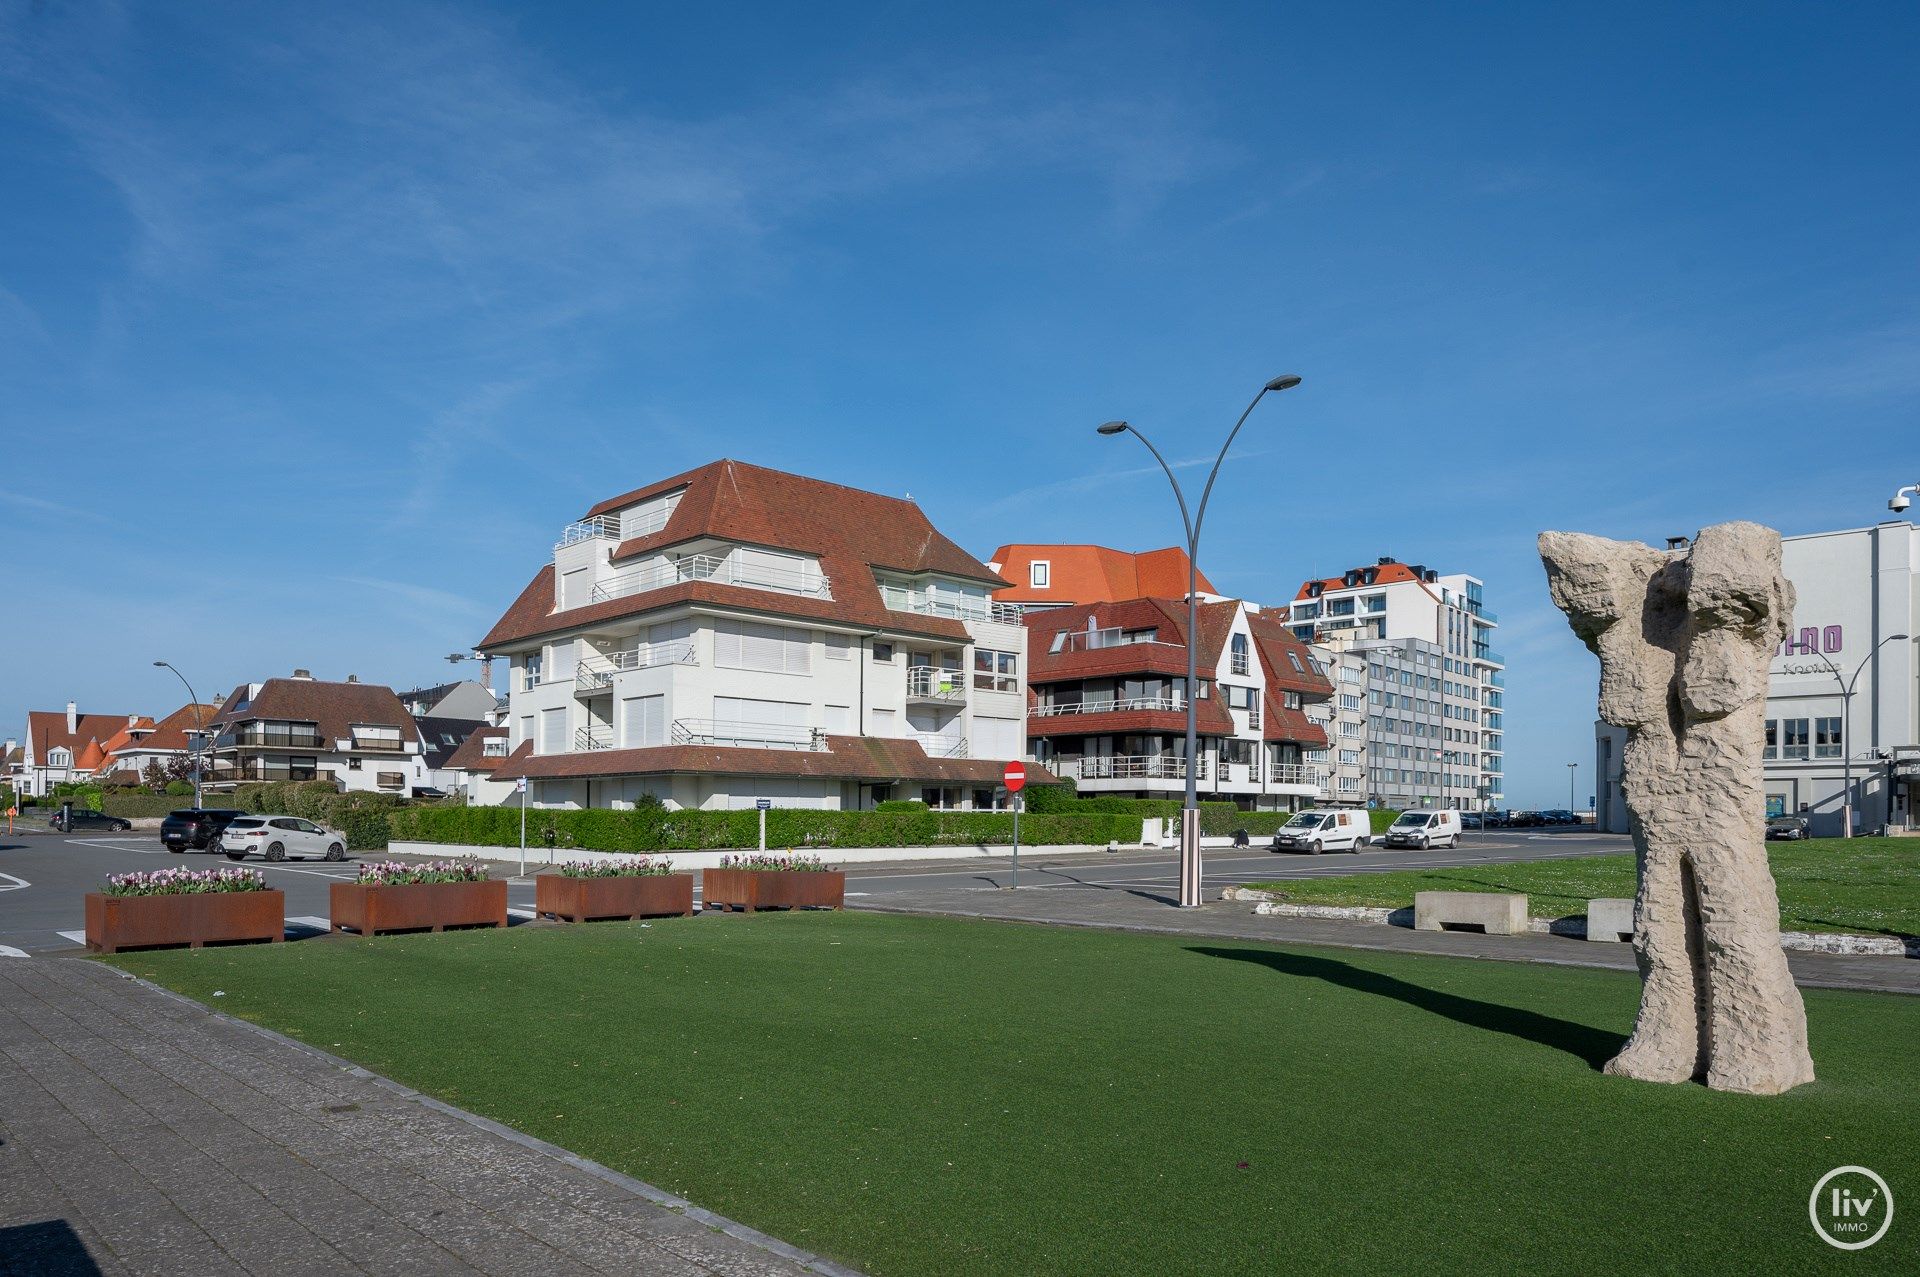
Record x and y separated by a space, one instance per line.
1040 574
59 758
1240 662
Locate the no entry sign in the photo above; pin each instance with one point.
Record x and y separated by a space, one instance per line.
1015 777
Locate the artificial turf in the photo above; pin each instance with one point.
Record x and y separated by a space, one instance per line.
944 1096
1866 885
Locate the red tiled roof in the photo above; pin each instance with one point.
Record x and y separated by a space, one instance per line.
1094 574
335 707
169 735
1211 718
1385 574
47 729
91 757
850 531
863 758
472 755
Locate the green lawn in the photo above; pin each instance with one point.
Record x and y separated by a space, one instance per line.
945 1096
1865 885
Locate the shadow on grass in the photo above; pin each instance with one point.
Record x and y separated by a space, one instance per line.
1595 1046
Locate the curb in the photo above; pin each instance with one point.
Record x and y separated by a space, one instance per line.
639 1188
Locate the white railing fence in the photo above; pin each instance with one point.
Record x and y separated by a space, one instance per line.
745 735
956 607
927 682
707 567
600 527
596 671
1115 705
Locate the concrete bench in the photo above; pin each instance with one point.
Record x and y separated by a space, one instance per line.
1610 919
1496 913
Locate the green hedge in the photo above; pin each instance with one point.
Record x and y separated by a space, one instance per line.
1381 819
648 831
363 818
132 806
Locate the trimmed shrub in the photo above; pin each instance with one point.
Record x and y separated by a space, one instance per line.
654 831
901 804
1381 819
131 805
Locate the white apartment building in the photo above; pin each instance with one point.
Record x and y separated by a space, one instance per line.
356 735
1856 616
736 633
1343 716
1436 686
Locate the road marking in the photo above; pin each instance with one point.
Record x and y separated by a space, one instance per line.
8 951
310 920
17 883
78 937
522 913
317 873
116 846
858 893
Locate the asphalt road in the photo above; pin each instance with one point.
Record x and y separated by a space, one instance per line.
44 877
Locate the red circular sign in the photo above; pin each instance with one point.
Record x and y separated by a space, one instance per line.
1015 777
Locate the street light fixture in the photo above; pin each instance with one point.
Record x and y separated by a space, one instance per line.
1190 810
1573 770
1846 729
199 731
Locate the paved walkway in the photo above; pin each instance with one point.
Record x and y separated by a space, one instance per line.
1128 908
140 1133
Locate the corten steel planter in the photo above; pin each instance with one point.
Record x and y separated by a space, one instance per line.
373 908
631 896
750 889
212 917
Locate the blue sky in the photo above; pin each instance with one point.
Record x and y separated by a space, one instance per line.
318 322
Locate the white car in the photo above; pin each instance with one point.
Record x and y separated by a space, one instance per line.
1424 829
1318 831
278 837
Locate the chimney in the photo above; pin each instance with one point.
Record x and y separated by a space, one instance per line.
353 678
306 674
73 718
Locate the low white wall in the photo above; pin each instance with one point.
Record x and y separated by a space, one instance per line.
711 859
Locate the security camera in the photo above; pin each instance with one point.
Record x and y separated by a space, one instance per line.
1899 503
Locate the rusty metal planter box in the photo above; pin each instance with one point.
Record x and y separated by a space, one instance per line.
213 917
373 908
631 896
751 889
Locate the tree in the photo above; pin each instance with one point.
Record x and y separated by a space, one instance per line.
155 775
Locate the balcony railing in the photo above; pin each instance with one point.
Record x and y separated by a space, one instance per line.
1488 654
733 733
955 607
254 770
600 527
942 744
268 738
1118 704
378 744
593 736
596 673
706 567
929 683
1095 640
1297 774
1137 767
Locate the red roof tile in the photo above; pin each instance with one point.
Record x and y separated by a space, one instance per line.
1384 574
472 755
335 707
1094 574
850 531
47 729
862 758
169 735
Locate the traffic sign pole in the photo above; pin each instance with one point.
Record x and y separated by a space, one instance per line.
521 785
763 804
1015 779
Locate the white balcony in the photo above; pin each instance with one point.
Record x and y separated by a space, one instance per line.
602 527
743 735
1135 767
594 674
932 685
941 744
955 607
593 736
1118 704
707 567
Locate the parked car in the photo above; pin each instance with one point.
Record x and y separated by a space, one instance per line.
278 837
1424 829
1559 816
1472 820
1318 831
85 818
195 827
1525 820
1788 827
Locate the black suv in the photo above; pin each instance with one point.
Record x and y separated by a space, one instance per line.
86 818
194 827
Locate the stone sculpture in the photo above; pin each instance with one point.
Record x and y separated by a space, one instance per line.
1685 638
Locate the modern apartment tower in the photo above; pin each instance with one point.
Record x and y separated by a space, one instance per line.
1435 685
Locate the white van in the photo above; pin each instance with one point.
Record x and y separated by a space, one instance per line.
1318 831
1424 829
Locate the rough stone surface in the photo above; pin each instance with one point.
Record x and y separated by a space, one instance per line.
1501 913
1610 919
1684 639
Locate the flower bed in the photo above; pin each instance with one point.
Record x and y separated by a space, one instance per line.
391 896
191 907
581 891
754 881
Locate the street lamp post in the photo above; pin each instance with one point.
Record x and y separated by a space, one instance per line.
1573 770
1190 811
1846 729
199 732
